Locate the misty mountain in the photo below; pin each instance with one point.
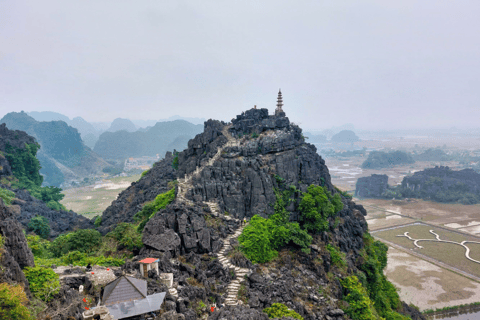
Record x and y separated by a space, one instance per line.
163 137
48 116
345 136
120 124
63 155
88 132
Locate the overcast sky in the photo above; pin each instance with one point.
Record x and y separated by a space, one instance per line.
376 64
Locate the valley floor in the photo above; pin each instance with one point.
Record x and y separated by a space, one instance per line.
91 201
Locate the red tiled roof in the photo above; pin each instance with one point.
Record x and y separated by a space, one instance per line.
148 260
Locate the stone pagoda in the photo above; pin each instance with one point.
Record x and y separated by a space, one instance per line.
279 111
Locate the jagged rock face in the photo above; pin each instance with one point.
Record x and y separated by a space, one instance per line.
28 207
371 187
258 121
15 138
241 181
131 200
15 254
201 148
180 229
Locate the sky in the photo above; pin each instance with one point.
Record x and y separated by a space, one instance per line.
376 64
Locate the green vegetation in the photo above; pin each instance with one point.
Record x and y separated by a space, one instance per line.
337 256
279 310
175 162
261 238
380 159
317 206
43 282
26 169
445 309
7 196
40 226
373 295
13 301
360 307
77 248
144 173
98 221
127 235
161 202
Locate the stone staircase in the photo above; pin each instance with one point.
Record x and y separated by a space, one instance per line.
186 183
234 286
183 186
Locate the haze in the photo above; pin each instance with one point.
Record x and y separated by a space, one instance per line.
376 64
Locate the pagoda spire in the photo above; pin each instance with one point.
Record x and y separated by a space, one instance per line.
279 110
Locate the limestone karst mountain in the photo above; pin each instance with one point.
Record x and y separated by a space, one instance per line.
63 155
24 205
239 170
120 124
162 137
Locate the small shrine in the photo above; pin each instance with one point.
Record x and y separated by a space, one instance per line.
148 264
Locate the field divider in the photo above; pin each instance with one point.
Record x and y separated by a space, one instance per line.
428 259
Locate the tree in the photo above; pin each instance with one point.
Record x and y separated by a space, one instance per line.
84 240
40 226
256 242
43 282
316 206
12 303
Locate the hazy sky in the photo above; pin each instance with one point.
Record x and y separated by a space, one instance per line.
379 64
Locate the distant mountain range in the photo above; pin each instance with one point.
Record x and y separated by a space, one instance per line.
91 131
162 137
63 155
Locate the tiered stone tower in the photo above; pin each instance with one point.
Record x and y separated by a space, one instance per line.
279 110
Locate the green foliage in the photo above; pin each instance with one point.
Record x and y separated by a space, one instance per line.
380 290
161 202
380 159
98 221
360 307
256 238
127 235
337 256
38 246
59 246
7 196
84 240
279 179
26 168
279 310
43 282
175 162
316 206
25 165
261 239
13 301
255 135
452 308
144 173
40 226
